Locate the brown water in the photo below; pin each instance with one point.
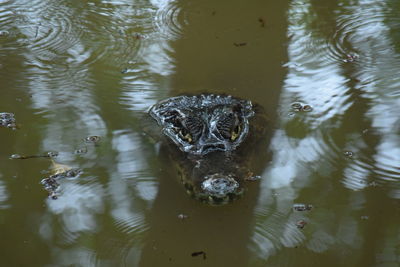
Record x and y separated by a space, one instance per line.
326 71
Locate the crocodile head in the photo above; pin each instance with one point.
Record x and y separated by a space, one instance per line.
208 129
202 124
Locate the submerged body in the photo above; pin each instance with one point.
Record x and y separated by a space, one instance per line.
212 139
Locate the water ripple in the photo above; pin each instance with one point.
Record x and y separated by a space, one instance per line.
357 31
77 207
115 41
274 230
135 223
62 34
388 161
343 69
55 31
170 20
44 28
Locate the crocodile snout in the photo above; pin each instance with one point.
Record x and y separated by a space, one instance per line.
220 187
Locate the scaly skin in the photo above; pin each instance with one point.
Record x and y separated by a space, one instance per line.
214 135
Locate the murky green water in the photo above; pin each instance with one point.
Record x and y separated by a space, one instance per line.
327 73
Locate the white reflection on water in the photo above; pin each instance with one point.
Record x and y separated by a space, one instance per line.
350 80
130 181
324 83
147 77
3 195
374 40
78 209
79 256
71 51
169 18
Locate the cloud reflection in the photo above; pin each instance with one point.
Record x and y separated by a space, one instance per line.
78 209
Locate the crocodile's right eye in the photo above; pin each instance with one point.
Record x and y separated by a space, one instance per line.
235 132
229 127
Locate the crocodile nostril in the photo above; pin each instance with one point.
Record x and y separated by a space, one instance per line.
213 147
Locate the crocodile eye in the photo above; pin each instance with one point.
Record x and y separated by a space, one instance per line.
235 133
185 135
228 126
192 128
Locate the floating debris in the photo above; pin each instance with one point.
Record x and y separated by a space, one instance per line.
348 154
373 184
198 253
81 150
300 107
251 177
350 58
302 207
239 44
306 108
17 156
59 171
262 22
296 106
51 185
51 154
364 217
7 120
301 224
93 139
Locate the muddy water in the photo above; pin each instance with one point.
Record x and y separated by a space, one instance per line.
325 71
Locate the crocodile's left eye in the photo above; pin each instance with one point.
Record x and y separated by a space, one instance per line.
229 126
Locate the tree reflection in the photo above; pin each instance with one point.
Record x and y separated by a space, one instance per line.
341 62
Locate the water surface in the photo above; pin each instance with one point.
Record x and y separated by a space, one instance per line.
326 73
